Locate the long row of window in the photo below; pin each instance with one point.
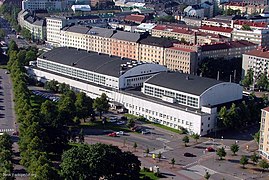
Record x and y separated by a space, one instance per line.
180 98
77 73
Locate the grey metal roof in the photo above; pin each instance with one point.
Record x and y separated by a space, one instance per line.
126 36
76 29
102 32
90 61
187 83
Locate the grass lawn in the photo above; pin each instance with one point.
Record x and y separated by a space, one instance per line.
97 124
149 175
36 101
3 66
166 128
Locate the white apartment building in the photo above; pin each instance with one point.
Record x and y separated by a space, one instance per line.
172 99
41 4
264 134
257 60
35 25
54 26
259 37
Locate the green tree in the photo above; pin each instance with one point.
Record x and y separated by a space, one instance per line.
233 117
63 88
254 158
246 27
30 56
173 161
2 34
26 34
99 160
221 153
52 85
195 137
81 136
244 161
130 123
234 148
256 137
224 119
207 175
263 164
101 104
147 151
135 146
248 79
186 140
83 106
262 82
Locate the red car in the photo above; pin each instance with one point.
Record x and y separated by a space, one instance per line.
210 149
112 134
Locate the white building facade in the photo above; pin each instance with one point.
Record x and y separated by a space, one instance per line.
183 107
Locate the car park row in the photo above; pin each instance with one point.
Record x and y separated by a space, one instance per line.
47 95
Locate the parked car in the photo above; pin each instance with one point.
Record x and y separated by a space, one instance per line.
145 131
189 155
120 133
210 149
120 122
112 134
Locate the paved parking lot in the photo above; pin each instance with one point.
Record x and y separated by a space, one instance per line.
7 116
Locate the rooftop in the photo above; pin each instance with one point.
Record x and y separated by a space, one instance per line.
261 52
187 83
249 23
266 109
227 45
157 41
126 36
218 29
135 18
173 29
90 61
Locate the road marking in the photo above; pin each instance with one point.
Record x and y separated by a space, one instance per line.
7 130
163 140
195 162
201 170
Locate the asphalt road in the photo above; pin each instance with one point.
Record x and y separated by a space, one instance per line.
7 116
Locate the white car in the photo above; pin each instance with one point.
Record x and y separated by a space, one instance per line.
120 133
120 122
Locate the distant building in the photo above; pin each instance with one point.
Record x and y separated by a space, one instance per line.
224 31
135 18
195 11
258 36
192 21
36 25
82 8
257 60
227 50
264 134
145 27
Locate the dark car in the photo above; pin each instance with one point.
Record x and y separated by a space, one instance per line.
189 155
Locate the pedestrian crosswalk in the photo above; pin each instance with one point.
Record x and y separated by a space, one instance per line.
6 130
